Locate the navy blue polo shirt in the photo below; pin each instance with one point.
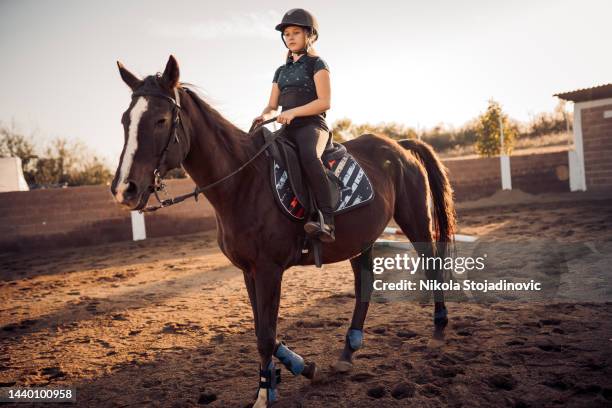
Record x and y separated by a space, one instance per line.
296 83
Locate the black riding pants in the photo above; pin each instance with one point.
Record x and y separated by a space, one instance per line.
311 140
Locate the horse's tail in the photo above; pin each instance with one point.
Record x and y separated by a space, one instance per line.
442 193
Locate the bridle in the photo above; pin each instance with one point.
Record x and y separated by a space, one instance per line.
173 135
159 184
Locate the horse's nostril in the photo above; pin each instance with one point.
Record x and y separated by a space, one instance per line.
131 190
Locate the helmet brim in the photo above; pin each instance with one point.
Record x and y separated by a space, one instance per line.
281 27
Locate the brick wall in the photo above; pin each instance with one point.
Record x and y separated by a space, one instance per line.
77 216
474 178
533 173
597 143
540 173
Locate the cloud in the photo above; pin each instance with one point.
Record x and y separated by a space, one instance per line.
248 25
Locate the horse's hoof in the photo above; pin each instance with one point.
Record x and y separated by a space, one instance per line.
342 366
310 371
262 401
439 333
436 341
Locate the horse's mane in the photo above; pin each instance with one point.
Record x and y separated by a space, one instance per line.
229 137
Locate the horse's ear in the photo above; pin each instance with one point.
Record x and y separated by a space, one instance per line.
130 79
171 73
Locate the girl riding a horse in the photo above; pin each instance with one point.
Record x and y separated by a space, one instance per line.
302 87
167 125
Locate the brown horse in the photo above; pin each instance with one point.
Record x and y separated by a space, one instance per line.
167 125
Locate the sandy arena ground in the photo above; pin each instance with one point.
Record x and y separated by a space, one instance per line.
166 322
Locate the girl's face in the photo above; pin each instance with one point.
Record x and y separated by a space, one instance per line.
295 38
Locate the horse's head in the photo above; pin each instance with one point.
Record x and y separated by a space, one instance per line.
155 138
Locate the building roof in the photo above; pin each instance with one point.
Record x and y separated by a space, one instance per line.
587 94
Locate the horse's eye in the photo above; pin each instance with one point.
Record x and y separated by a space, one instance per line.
160 122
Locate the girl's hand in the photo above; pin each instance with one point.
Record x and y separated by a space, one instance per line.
258 120
286 117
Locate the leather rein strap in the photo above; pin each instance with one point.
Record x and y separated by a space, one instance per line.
160 186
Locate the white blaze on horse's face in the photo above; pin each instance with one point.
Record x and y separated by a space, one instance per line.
139 108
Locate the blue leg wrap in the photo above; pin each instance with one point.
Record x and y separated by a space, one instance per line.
354 338
272 378
290 359
440 314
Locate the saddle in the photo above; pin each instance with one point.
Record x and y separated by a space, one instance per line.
347 181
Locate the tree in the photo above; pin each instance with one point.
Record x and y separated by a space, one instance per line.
70 164
488 135
342 130
397 131
62 163
93 171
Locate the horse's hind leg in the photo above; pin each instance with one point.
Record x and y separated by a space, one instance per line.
362 269
413 217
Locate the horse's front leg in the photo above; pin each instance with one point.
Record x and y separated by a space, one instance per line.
249 282
362 269
267 279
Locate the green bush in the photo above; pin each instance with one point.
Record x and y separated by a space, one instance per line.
488 132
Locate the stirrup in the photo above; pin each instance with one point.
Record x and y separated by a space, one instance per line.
324 232
315 227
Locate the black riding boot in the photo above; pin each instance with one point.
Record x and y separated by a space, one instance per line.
306 138
322 197
325 232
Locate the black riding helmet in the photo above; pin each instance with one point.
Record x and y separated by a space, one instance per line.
302 18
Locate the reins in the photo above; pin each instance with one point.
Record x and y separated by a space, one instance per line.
160 186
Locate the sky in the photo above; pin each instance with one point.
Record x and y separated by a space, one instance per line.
418 63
